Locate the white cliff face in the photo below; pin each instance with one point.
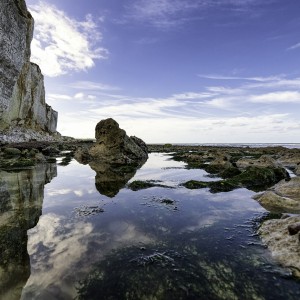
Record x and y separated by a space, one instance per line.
22 93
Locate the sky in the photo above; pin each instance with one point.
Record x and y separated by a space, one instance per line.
172 71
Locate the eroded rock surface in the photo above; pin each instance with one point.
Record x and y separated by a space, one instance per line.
22 94
285 248
282 197
113 144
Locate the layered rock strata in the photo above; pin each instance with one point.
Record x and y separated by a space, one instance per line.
22 93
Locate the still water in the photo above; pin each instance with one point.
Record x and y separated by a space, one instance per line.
69 233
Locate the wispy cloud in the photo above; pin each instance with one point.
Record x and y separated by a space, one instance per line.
223 77
93 86
62 44
296 46
228 111
169 13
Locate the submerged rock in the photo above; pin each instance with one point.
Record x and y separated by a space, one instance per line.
282 197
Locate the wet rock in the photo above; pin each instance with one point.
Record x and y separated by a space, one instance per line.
257 178
50 151
11 152
214 186
284 247
140 185
283 197
294 228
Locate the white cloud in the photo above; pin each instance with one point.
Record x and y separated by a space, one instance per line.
79 95
62 44
277 97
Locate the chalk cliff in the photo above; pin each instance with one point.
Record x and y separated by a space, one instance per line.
22 93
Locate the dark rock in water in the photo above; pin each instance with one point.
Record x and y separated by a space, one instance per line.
258 178
141 185
11 152
294 228
112 144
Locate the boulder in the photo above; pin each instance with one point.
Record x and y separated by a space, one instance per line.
114 146
283 246
282 197
22 94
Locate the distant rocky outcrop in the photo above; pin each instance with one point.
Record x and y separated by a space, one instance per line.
22 93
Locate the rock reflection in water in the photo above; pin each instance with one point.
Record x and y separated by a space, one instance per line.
21 195
110 179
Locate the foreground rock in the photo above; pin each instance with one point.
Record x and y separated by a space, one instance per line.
22 93
283 197
285 248
113 146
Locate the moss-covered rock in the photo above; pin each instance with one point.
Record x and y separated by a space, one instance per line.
259 177
214 186
140 185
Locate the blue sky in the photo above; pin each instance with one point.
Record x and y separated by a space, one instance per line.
197 71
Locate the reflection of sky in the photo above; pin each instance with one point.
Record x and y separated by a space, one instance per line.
170 172
63 247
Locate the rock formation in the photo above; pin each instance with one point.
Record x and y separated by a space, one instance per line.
283 197
283 246
22 94
115 157
113 146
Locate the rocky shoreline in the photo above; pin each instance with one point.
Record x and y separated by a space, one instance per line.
271 171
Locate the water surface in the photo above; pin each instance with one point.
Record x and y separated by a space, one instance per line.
157 243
